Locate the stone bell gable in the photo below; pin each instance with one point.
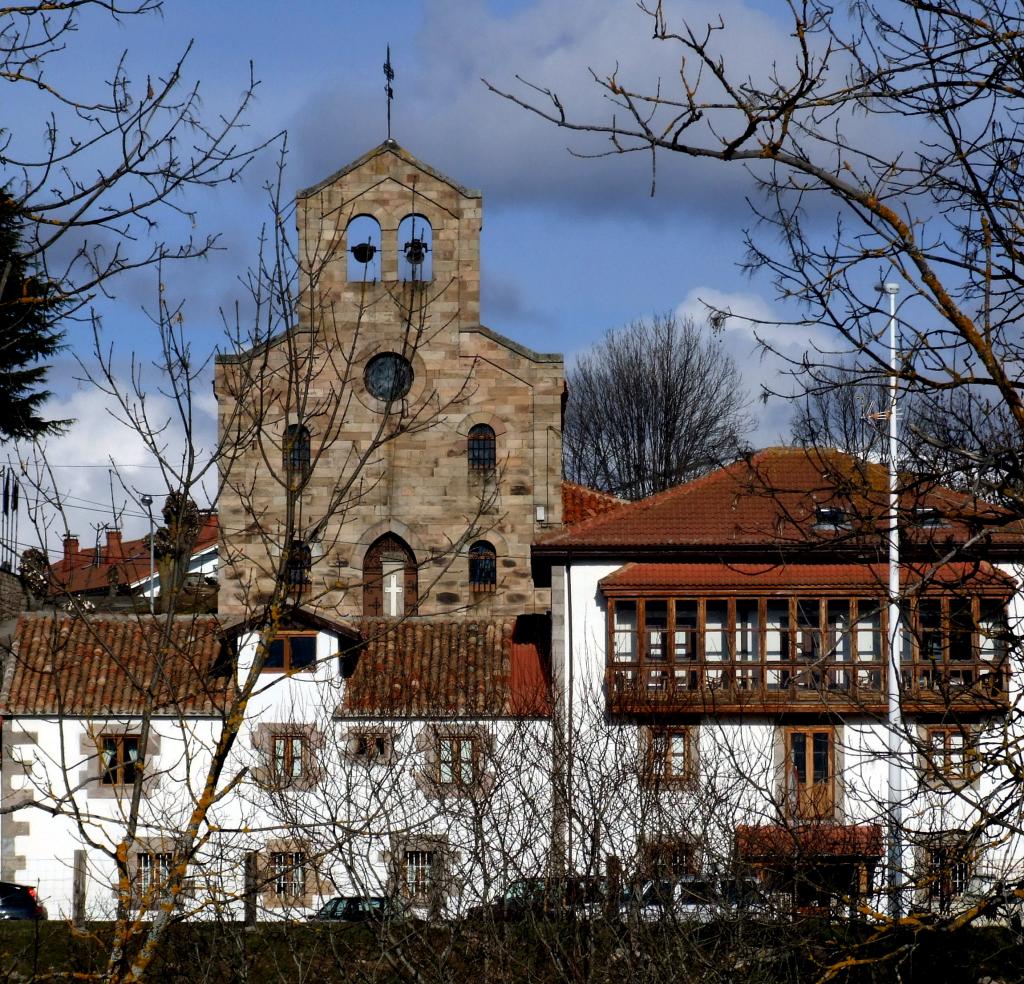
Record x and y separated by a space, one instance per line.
438 520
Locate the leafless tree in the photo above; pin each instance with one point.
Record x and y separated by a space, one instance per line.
653 404
101 175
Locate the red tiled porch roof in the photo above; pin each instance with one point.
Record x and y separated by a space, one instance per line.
789 577
774 842
451 668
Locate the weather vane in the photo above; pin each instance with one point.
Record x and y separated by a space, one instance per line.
389 74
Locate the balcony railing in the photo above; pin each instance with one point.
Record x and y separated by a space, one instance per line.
647 688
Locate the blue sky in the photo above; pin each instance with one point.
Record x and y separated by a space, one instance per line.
570 247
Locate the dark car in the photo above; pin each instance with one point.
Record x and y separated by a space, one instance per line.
578 896
356 908
20 902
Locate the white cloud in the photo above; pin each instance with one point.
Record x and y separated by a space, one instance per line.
100 467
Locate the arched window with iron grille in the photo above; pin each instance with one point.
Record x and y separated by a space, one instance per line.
482 448
299 566
483 566
297 457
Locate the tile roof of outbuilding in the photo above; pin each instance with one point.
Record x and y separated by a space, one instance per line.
107 665
94 569
451 668
770 500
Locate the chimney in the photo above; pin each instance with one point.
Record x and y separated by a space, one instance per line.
70 546
115 549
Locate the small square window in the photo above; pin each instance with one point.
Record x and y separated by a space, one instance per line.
153 870
120 759
372 746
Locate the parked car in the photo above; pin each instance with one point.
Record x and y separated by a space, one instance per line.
20 902
691 898
578 896
357 908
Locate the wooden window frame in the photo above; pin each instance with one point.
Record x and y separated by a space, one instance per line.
791 789
116 774
940 765
284 637
660 771
456 742
948 867
295 750
421 890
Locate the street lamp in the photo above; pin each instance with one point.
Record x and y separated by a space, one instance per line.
895 717
147 501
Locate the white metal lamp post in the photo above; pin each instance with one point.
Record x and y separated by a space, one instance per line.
895 716
147 501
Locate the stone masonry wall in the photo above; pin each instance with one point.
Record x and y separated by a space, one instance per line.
419 485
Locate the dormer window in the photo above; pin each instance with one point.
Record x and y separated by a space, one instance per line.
831 518
927 517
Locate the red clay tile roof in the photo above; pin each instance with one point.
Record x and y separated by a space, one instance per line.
775 842
93 570
105 665
579 503
771 500
785 577
451 668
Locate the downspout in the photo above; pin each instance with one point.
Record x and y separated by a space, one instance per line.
571 726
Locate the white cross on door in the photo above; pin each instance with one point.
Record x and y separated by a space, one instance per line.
394 589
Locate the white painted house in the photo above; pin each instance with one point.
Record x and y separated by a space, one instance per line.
728 641
406 760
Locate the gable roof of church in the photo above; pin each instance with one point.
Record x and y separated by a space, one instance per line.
779 500
389 147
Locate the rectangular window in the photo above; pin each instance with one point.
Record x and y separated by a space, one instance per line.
810 776
290 651
419 873
288 869
992 631
685 636
120 760
290 757
949 868
672 756
656 629
952 754
777 638
668 858
624 632
458 760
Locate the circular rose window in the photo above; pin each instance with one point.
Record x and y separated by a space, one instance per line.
388 376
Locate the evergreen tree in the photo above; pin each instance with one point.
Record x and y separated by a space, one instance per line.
29 307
